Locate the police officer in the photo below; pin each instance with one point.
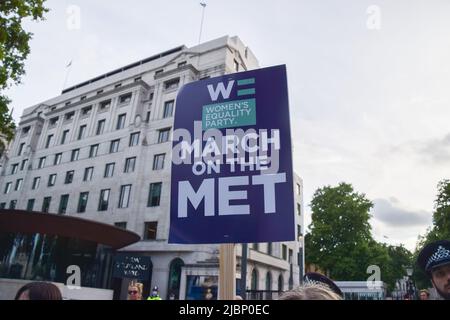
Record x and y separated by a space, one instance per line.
434 260
155 294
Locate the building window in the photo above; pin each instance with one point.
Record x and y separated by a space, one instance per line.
118 85
93 151
82 202
36 182
171 84
291 254
104 199
151 229
163 135
130 163
46 204
168 109
88 174
13 204
299 231
158 161
63 202
147 117
30 204
114 147
51 180
299 189
3 205
53 121
18 186
280 283
121 225
14 168
121 121
21 146
75 154
68 103
236 65
64 136
7 188
99 92
150 97
124 197
125 98
154 195
284 251
269 248
159 72
109 170
134 139
83 98
69 116
299 209
100 126
137 79
268 285
24 164
254 280
41 163
81 132
86 110
57 159
49 141
105 105
69 177
25 130
182 64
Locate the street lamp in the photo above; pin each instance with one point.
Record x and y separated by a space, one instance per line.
409 271
409 282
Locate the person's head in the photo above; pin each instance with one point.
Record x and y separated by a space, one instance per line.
311 292
135 291
406 297
434 260
39 291
424 294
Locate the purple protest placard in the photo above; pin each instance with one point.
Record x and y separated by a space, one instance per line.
232 179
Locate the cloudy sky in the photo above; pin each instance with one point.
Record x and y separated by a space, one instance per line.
369 82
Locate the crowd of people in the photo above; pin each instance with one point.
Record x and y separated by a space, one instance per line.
434 260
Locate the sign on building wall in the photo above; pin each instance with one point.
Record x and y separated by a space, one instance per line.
232 178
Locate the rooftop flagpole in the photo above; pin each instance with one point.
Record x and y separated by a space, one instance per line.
68 68
203 4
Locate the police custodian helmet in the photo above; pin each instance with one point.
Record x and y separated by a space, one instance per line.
434 255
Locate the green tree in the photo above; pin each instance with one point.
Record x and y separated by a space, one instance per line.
340 234
399 258
14 49
340 242
441 215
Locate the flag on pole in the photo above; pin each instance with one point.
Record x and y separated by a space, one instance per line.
203 4
69 64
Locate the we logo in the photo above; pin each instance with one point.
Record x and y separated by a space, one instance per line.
240 112
220 90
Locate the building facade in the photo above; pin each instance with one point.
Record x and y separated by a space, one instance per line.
102 151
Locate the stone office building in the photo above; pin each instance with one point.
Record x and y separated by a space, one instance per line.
102 151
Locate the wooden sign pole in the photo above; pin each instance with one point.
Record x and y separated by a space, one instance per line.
227 272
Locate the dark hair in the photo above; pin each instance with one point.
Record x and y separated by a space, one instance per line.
40 291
